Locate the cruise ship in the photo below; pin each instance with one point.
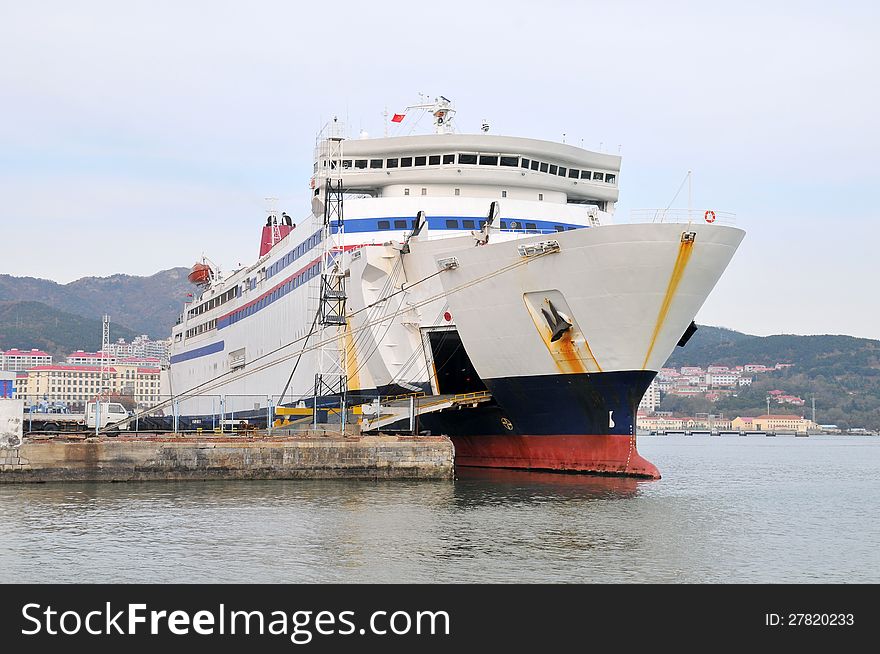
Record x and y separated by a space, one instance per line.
449 265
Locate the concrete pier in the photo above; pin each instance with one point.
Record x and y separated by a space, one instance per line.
170 457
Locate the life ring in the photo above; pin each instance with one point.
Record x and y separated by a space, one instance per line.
312 183
709 216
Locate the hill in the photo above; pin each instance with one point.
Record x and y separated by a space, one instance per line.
146 305
34 324
841 372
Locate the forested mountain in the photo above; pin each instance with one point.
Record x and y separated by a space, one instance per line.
841 372
146 305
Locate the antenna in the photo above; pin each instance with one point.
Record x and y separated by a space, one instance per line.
691 199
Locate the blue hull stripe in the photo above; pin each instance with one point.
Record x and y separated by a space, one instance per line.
198 352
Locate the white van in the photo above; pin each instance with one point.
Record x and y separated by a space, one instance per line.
108 413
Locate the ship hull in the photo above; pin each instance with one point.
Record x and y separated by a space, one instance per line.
571 423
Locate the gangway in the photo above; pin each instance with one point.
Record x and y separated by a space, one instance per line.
399 408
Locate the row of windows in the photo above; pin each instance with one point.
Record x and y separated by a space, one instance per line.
214 302
268 299
294 254
477 159
470 223
200 329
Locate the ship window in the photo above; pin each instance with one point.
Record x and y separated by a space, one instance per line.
531 226
503 224
553 169
449 158
406 191
451 223
434 160
534 165
586 174
391 163
400 224
482 224
524 163
468 224
360 163
375 163
421 161
414 222
458 191
424 191
559 228
609 178
406 162
384 224
544 167
597 176
346 163
510 161
540 196
503 194
574 173
488 160
467 158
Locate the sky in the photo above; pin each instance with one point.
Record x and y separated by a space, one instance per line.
137 136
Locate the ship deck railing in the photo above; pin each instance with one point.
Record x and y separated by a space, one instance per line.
687 216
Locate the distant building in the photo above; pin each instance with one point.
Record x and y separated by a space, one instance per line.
744 423
691 370
81 358
143 362
774 423
721 380
668 373
717 369
745 381
21 378
15 360
660 423
141 346
75 385
756 367
651 398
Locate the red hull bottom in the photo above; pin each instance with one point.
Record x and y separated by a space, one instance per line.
600 454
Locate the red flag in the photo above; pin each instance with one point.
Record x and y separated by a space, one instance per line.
397 118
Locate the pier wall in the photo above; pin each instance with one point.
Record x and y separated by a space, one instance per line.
143 459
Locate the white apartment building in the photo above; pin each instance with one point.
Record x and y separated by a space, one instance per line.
651 399
81 358
721 380
14 360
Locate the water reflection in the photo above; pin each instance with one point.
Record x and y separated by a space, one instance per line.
495 485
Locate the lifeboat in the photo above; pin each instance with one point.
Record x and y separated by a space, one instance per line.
200 274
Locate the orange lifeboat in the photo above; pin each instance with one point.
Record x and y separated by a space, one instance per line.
200 274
